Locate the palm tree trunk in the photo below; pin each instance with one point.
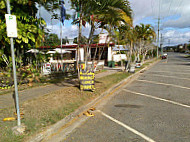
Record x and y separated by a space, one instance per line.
88 49
129 61
139 51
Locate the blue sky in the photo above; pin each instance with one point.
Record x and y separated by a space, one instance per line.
174 23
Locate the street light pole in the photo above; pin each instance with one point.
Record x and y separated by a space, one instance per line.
14 72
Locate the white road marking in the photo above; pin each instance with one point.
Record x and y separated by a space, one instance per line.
157 98
180 62
171 72
127 127
174 67
159 83
169 76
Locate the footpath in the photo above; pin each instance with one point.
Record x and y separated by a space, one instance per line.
7 100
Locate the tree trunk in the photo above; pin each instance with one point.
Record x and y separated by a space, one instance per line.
79 42
144 55
88 48
139 51
129 61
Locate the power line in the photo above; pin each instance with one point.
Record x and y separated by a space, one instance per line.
159 9
160 6
180 3
168 11
178 6
169 7
152 5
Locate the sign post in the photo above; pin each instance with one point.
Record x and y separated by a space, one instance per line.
87 81
11 25
12 32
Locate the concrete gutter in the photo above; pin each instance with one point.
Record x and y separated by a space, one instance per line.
51 131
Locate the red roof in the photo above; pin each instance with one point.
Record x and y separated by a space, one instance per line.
75 46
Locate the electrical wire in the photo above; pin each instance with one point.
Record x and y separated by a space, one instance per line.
159 9
152 5
169 7
176 10
178 7
168 11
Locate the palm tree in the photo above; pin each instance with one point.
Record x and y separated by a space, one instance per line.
147 34
107 14
129 36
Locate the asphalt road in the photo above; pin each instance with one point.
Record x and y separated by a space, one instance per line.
154 107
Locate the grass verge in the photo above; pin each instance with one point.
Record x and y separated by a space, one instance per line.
47 110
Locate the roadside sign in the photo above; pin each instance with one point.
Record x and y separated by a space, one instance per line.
104 38
87 81
11 25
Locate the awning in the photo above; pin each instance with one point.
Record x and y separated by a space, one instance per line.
34 51
60 51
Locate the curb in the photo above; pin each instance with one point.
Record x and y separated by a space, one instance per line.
52 129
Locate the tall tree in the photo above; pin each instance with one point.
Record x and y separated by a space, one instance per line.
107 14
146 35
30 33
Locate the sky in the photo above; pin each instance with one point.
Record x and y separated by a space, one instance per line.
174 19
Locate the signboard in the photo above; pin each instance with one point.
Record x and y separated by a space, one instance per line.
11 25
87 81
103 38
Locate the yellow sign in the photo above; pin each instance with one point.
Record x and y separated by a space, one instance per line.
87 81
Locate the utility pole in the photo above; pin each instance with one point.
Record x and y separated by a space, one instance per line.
79 36
169 42
61 27
14 72
161 43
158 39
61 34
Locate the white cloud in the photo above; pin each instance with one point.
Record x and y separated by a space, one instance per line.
168 8
174 15
176 37
174 18
169 33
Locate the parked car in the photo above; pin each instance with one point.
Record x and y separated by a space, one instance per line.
164 56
